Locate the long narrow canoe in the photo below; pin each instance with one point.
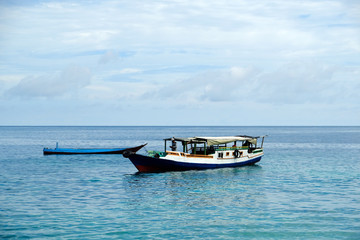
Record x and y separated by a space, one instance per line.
48 151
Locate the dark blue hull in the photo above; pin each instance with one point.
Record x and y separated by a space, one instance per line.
151 164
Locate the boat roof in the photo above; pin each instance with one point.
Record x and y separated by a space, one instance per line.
215 140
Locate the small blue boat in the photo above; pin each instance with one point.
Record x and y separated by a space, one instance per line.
57 150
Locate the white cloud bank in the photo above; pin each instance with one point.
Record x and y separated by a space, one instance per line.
293 83
68 81
191 55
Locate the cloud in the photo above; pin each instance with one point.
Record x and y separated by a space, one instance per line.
113 55
293 83
70 80
136 25
309 82
231 85
109 56
224 33
212 86
299 82
163 52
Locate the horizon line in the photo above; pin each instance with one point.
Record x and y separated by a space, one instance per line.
179 125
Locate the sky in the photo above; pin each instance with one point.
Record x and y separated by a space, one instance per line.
181 62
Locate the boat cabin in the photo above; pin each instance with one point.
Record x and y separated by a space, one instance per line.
211 145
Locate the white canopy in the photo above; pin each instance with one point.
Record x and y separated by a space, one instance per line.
221 140
215 140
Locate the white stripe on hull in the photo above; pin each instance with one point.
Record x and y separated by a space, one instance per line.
209 159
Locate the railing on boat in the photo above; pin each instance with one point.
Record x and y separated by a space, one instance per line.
182 154
187 154
163 154
231 148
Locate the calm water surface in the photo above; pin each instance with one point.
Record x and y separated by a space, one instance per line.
307 186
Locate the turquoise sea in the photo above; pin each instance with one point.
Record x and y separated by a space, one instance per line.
307 186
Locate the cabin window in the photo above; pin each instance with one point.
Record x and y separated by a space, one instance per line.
227 154
221 155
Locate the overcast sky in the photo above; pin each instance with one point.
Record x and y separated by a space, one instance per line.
203 62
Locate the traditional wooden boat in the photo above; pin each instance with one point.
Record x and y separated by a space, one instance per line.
57 150
200 153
